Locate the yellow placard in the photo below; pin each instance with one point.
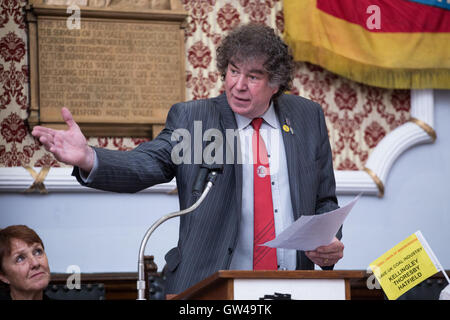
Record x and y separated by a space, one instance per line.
404 266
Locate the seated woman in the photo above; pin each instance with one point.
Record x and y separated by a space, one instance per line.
23 263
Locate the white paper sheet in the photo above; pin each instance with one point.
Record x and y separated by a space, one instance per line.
311 232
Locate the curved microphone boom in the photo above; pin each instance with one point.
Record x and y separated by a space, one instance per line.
203 175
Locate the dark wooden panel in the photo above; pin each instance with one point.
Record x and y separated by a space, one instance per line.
118 286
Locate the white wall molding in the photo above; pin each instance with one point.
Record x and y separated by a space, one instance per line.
353 182
371 181
17 179
417 131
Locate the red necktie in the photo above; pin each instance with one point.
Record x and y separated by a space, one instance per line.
264 258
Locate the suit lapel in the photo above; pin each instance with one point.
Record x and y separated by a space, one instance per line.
294 143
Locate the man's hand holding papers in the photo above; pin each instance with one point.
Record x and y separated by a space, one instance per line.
327 255
316 235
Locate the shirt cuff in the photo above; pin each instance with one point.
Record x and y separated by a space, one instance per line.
88 177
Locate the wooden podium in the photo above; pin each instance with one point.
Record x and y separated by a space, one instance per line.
253 285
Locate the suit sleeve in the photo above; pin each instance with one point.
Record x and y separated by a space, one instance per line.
131 171
326 195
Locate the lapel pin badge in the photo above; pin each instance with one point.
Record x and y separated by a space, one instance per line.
287 127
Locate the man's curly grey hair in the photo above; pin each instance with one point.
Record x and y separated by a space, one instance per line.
258 41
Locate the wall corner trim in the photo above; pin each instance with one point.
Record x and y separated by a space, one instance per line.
417 131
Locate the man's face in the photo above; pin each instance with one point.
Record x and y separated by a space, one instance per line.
247 88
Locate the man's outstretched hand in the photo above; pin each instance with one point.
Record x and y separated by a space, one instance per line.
68 146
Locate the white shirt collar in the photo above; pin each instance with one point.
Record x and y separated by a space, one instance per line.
269 117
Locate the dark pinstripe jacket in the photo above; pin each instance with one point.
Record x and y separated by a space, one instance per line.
208 236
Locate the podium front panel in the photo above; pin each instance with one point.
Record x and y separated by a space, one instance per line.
299 289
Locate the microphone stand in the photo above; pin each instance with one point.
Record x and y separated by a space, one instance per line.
141 275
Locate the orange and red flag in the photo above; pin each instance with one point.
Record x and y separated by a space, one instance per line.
386 43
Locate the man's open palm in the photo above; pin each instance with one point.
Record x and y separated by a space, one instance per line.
68 146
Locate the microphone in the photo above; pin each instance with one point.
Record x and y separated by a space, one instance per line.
199 183
207 174
204 175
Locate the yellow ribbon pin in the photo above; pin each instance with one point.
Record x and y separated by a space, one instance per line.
286 128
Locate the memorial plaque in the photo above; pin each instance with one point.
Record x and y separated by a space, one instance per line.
118 74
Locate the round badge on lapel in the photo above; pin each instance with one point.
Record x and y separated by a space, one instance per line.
286 128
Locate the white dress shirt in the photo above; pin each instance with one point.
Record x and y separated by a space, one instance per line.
281 196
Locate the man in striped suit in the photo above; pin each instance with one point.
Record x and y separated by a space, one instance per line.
277 164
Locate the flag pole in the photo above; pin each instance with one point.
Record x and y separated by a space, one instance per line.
431 254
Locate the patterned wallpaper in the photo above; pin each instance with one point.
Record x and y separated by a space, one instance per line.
358 116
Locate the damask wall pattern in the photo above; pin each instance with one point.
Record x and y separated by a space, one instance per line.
358 116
